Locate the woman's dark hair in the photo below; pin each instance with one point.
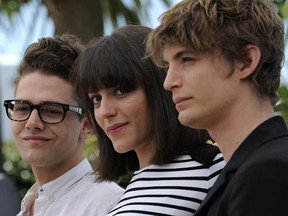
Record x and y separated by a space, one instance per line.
120 60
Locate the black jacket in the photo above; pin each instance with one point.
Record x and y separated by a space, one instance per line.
255 180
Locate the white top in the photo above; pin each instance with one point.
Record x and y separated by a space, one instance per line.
176 188
75 193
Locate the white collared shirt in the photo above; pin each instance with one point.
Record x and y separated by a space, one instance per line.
75 193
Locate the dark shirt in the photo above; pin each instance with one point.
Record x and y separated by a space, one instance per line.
255 180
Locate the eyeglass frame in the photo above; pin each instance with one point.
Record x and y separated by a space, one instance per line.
66 107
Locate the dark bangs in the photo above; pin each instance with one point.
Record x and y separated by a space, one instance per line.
104 67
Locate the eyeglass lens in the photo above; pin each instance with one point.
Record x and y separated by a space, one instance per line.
50 113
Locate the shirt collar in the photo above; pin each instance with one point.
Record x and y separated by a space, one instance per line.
52 190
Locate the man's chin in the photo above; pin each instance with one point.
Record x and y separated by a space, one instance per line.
188 120
184 119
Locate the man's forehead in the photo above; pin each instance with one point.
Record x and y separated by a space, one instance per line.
39 87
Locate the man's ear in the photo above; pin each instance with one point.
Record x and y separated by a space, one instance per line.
87 128
248 66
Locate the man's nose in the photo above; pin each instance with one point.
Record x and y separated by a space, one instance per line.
34 121
172 79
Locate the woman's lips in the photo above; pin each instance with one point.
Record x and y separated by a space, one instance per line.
116 128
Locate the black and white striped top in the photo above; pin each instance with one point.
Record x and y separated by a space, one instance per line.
175 189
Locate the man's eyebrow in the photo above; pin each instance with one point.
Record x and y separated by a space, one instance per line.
177 55
181 53
50 101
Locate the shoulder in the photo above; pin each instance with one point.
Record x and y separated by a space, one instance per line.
97 197
94 191
264 163
262 177
184 165
273 153
90 182
266 166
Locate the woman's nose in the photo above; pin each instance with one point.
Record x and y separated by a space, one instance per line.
107 108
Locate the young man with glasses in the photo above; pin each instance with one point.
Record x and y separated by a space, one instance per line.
49 129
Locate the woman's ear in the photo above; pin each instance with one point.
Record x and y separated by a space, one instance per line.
248 66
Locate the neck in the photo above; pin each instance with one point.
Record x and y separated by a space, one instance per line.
45 174
145 153
238 124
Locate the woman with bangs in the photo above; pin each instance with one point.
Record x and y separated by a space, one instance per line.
138 131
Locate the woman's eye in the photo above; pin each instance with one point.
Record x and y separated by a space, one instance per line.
96 99
121 91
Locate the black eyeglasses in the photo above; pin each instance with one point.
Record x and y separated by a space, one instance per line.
49 112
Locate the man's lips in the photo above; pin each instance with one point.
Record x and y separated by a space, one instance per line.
179 100
35 138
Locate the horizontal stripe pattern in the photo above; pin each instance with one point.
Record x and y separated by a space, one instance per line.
176 188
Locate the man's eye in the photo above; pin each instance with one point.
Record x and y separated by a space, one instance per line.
21 108
185 59
166 68
188 59
51 111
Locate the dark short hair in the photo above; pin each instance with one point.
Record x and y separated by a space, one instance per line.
51 56
120 60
